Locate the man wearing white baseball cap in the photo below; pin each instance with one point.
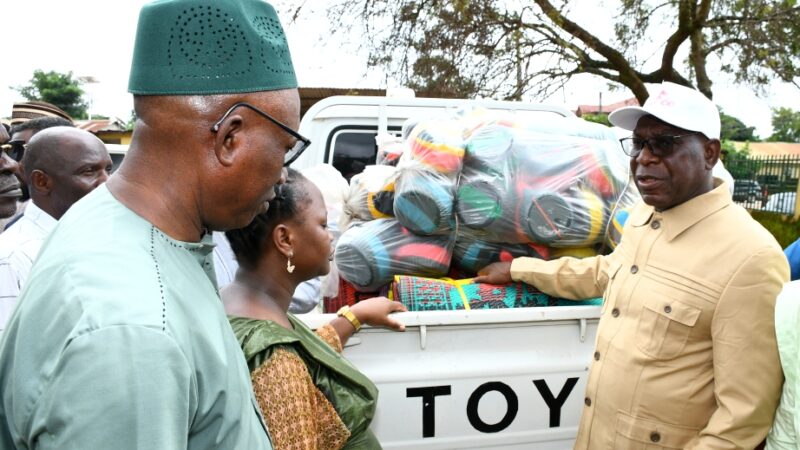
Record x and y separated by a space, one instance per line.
685 352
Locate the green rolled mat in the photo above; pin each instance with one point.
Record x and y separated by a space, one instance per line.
478 203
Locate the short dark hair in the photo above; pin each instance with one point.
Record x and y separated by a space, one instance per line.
248 243
40 124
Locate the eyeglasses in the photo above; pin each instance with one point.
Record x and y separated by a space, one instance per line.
299 147
14 149
660 146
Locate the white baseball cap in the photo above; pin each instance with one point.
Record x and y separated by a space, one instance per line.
676 105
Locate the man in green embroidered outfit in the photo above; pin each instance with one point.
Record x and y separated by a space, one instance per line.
119 339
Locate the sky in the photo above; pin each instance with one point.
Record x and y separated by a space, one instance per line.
94 38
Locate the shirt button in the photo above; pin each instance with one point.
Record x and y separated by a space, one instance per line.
668 309
587 401
655 437
655 224
615 312
597 356
634 269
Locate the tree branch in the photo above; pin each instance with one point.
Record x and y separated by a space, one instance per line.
780 15
722 44
627 75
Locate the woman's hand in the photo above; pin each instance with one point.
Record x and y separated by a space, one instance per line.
495 273
375 312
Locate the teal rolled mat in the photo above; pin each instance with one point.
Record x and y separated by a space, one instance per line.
432 294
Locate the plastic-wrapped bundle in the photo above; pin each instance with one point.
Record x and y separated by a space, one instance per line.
390 149
486 150
472 255
525 213
557 163
371 194
426 294
548 123
573 218
436 145
615 227
370 254
484 197
480 200
423 201
620 215
523 186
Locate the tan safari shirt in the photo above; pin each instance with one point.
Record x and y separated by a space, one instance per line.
685 353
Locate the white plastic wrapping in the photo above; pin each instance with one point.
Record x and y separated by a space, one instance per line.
523 185
479 187
371 195
423 201
370 254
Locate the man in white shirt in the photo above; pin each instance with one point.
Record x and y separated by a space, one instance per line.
28 119
61 165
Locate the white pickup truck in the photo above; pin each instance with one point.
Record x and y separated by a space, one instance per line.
458 379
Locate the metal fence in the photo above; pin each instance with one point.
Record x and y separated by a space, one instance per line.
765 183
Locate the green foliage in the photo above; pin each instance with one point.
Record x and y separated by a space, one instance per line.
738 162
131 122
730 149
435 76
785 231
597 118
735 130
785 125
60 89
727 147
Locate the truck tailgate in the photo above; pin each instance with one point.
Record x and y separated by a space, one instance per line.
512 378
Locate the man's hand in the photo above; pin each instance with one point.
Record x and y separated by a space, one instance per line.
495 273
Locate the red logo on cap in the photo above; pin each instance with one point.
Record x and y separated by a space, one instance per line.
663 98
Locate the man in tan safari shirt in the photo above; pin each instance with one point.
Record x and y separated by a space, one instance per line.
685 354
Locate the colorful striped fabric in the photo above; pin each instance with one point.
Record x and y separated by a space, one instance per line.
431 294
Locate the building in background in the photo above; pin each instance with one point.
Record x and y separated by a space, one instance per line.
111 131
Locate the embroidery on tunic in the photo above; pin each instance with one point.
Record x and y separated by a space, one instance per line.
329 335
158 277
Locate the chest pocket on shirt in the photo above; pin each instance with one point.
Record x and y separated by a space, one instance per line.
664 326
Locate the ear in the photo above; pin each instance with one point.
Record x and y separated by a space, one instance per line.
228 139
40 182
711 151
283 238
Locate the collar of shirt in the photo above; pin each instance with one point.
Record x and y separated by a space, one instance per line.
39 218
678 218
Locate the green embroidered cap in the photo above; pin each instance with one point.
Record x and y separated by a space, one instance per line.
193 47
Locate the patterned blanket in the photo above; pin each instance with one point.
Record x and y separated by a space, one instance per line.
431 294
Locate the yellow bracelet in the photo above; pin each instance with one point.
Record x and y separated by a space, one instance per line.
345 312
